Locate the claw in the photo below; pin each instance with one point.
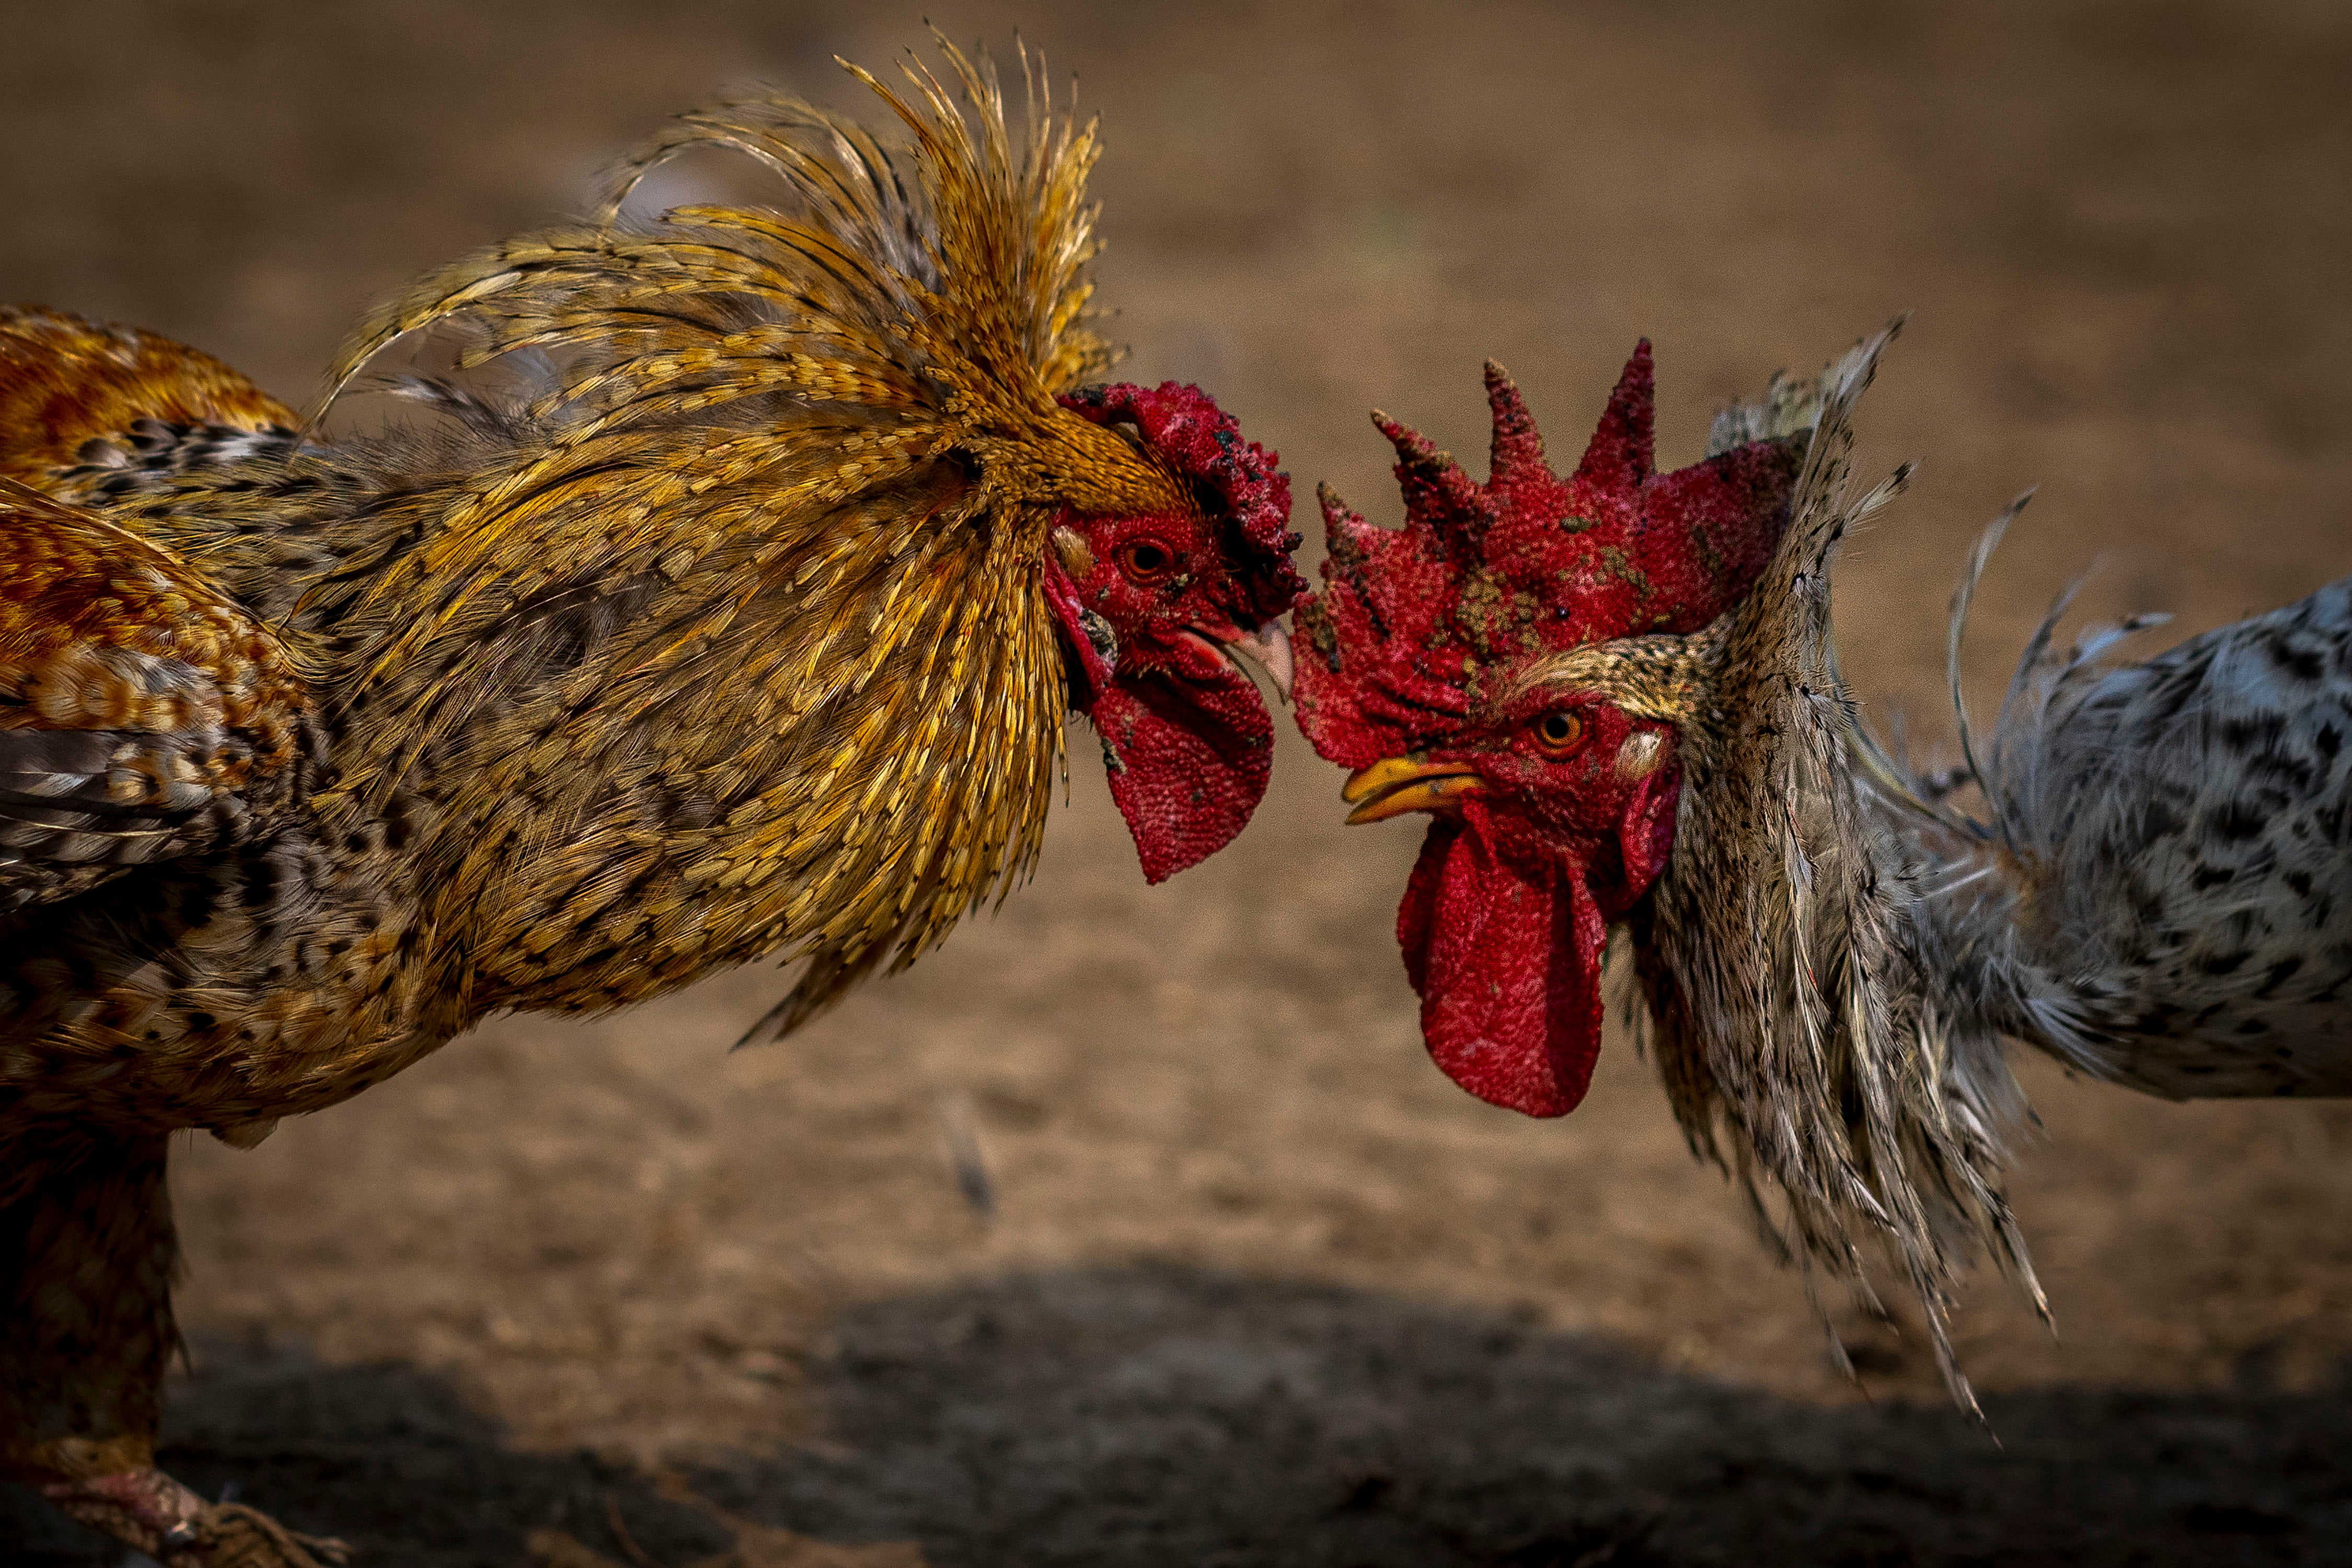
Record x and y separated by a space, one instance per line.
145 1509
150 1512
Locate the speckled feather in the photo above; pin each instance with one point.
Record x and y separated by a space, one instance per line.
1786 1008
70 388
2160 891
143 715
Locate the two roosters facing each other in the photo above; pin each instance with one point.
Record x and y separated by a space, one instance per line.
728 607
1618 698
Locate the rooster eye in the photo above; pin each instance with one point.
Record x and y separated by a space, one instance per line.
1146 560
1558 732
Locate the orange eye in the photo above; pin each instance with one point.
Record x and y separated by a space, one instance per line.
1558 733
1146 560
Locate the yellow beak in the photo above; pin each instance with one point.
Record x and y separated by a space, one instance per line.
1394 785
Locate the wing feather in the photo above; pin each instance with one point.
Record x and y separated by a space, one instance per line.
66 383
143 715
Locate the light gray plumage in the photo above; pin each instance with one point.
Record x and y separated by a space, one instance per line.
2158 890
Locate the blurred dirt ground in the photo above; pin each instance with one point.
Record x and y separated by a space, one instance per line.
1260 1287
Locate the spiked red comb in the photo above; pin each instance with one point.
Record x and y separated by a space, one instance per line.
1415 631
1413 624
1185 425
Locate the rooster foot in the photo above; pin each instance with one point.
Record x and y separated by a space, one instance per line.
150 1513
231 1535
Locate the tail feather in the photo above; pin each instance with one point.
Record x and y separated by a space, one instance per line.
2161 829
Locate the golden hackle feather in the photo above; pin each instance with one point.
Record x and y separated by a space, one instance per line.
825 435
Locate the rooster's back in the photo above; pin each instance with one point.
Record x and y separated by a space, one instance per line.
2165 893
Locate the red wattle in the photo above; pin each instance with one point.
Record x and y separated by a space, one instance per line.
1507 963
1417 915
1188 760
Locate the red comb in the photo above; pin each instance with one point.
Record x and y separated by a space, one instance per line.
1414 624
1184 425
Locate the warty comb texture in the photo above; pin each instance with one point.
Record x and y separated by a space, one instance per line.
1184 425
1415 627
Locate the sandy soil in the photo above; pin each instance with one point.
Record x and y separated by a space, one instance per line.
1259 1285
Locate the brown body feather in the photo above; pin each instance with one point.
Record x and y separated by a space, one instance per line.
702 622
142 714
66 383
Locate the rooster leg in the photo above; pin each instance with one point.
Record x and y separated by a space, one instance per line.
87 1251
145 1509
150 1513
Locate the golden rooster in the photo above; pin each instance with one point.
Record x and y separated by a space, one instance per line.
728 607
1618 695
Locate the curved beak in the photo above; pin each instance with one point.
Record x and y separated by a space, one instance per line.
1268 647
1394 785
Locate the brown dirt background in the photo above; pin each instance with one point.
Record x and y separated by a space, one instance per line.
1261 1287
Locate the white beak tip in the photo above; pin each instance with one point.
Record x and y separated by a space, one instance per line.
1271 644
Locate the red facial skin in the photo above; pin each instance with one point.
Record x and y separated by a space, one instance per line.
1507 914
1409 662
1186 738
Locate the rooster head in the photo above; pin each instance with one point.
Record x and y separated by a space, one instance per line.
1513 662
1153 604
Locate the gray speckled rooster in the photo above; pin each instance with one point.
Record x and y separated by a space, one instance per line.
2156 886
